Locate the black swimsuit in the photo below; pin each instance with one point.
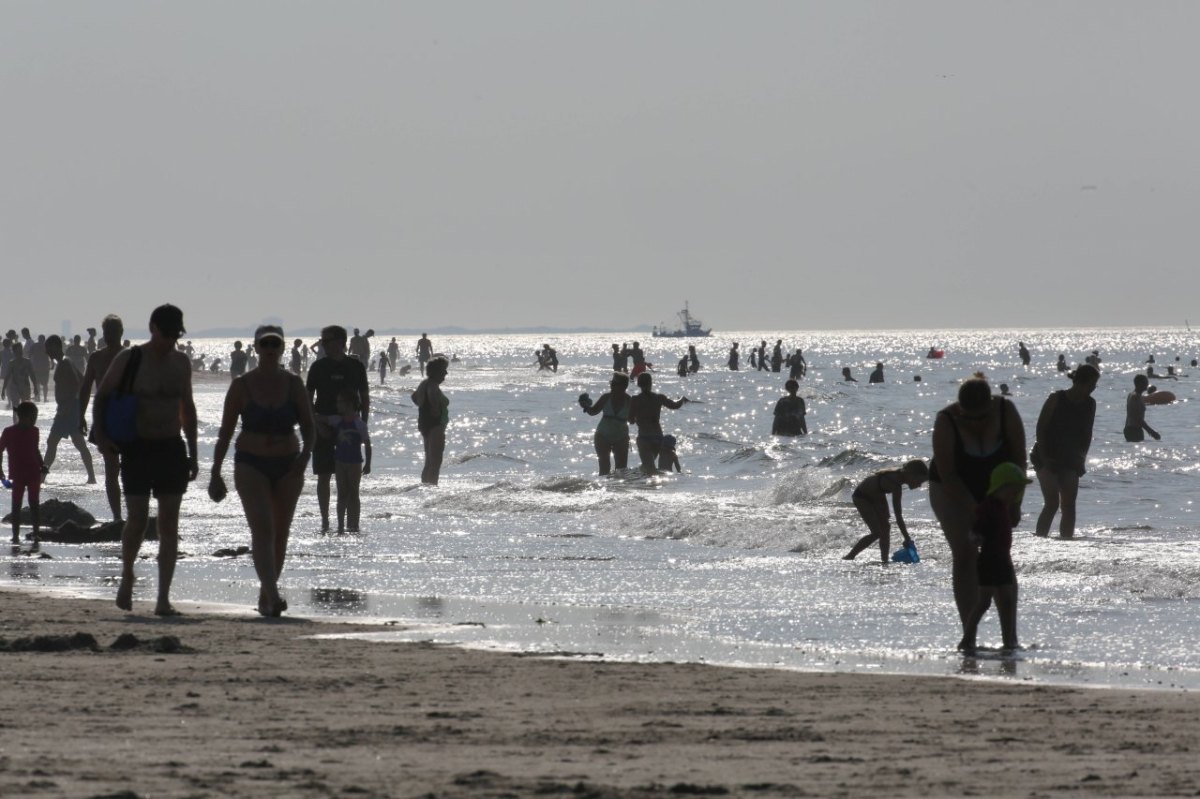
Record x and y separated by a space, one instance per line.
975 471
278 421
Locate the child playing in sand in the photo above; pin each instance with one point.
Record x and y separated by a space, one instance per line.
994 521
870 497
25 467
349 465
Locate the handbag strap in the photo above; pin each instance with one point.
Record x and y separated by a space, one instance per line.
130 374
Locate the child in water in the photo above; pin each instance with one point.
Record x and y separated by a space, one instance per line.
994 521
667 459
349 465
870 497
25 467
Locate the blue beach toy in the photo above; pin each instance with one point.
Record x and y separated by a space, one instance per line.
6 483
907 554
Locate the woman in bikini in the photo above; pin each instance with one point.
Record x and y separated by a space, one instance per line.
970 438
612 434
269 458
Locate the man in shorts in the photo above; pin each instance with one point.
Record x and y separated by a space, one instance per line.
157 461
98 362
327 377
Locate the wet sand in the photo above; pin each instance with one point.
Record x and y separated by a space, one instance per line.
255 708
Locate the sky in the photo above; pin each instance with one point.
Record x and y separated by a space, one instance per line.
778 165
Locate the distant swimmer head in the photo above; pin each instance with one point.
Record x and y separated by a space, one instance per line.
1004 389
916 378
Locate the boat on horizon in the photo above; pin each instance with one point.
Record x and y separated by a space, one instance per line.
690 327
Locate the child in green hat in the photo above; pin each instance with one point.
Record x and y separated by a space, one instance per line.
995 518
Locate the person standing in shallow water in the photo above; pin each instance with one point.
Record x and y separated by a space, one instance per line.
1135 412
112 329
970 438
156 461
733 357
1059 455
433 414
424 351
1023 353
67 421
645 409
612 433
328 377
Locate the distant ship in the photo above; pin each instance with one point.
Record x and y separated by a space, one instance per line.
691 327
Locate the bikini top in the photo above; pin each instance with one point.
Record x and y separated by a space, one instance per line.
277 421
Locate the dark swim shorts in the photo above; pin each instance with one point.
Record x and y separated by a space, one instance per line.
158 467
322 456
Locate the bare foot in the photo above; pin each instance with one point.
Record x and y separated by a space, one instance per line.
91 480
166 609
125 594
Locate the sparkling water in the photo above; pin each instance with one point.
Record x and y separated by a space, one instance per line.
738 559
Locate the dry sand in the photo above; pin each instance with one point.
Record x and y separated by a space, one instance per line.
256 708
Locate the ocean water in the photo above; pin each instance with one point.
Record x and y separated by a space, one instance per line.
738 559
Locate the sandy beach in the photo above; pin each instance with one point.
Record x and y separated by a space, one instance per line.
233 705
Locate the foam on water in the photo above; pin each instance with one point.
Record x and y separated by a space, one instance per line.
738 560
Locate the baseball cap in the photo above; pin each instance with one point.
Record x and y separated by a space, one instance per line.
1006 474
268 331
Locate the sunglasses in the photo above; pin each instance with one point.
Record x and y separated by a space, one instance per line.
270 343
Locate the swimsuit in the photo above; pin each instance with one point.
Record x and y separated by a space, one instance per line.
272 467
278 421
614 424
975 471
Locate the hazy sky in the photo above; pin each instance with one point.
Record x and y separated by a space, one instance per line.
779 164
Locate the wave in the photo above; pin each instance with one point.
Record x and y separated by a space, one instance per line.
849 457
808 486
461 459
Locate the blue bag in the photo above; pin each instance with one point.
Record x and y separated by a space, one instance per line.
120 413
907 554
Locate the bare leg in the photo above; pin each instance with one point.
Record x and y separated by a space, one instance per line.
956 526
168 551
85 455
254 489
323 500
1048 482
51 449
17 495
1006 607
435 448
287 492
603 453
971 625
621 454
131 543
878 522
112 484
343 497
353 502
1068 488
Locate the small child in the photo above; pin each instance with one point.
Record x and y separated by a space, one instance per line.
994 521
25 465
349 464
870 497
667 459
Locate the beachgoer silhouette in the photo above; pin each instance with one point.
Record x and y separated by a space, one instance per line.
91 341
112 329
67 420
644 411
1023 353
846 376
77 354
1059 454
157 461
876 376
237 361
797 366
424 351
789 417
693 360
327 377
1135 412
777 356
19 384
41 367
870 498
1062 363
762 356
393 354
733 357
433 415
612 433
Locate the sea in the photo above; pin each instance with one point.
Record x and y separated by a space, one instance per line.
737 560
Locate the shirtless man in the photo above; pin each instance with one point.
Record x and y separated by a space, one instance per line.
1135 412
156 461
68 423
113 328
424 351
77 354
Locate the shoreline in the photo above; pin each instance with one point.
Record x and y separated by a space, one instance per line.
251 707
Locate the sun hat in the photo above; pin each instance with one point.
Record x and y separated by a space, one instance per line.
1006 474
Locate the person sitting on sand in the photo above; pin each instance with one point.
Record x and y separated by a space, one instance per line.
789 413
870 497
992 533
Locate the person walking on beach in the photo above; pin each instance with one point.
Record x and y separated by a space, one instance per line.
268 459
433 414
991 532
19 383
1059 454
25 468
67 420
645 410
112 329
870 497
1135 412
424 351
156 461
612 433
327 378
971 437
350 463
789 417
